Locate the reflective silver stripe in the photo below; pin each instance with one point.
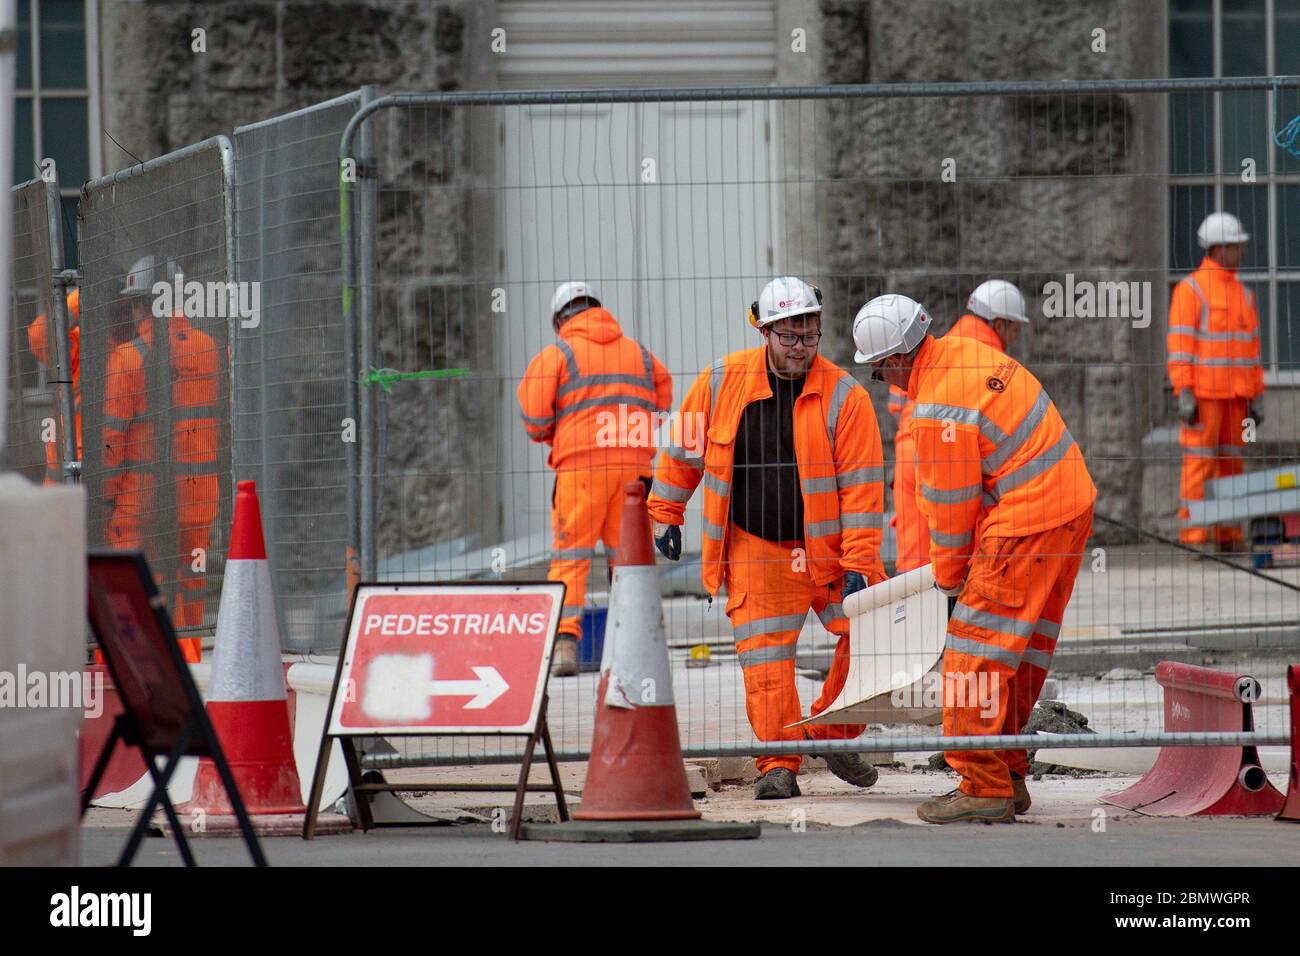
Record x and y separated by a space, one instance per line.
716 484
831 613
1182 357
950 496
141 348
714 531
112 421
965 645
570 615
862 519
671 492
1033 418
532 422
771 625
1227 362
573 554
1048 628
187 412
649 364
1205 304
872 474
1040 659
929 411
992 622
678 453
945 540
715 384
820 529
766 655
990 499
1227 336
570 359
200 469
1036 465
813 486
840 395
612 401
1197 451
586 381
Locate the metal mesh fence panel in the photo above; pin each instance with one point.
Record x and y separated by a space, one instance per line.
678 207
156 255
289 367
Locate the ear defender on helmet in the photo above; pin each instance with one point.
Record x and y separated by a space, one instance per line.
753 314
816 291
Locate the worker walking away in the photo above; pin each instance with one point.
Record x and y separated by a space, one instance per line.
39 336
995 313
131 451
787 447
1009 503
1215 370
593 397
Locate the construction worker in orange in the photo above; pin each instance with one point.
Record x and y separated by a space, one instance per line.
593 397
787 447
38 338
131 447
1009 503
994 315
1215 370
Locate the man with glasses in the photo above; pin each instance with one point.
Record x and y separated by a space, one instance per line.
793 479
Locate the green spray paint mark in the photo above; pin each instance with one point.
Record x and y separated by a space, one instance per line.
385 377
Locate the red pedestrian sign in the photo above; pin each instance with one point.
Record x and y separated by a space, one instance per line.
446 659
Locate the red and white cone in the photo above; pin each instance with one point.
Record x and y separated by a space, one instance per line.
247 700
636 770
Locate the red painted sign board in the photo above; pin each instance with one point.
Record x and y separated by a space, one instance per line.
446 659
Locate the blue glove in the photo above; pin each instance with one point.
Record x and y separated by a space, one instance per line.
669 542
853 582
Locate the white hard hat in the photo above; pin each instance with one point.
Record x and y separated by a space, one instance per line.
1220 229
569 291
782 298
997 299
141 277
888 325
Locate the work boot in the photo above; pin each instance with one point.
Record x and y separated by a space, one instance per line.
1023 803
956 806
564 662
851 768
777 784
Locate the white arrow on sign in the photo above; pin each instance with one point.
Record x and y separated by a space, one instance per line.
400 687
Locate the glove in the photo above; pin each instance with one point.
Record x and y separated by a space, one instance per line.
1253 412
853 582
648 482
668 539
950 592
1187 407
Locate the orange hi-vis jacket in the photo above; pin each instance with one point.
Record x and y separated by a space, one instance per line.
595 390
967 327
129 434
837 449
994 458
1213 338
38 337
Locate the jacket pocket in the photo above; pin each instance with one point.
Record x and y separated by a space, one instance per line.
1001 575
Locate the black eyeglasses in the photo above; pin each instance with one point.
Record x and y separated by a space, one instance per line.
788 339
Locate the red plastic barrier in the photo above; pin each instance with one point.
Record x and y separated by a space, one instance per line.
1204 781
1291 809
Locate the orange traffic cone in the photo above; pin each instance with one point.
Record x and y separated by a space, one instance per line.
247 701
636 770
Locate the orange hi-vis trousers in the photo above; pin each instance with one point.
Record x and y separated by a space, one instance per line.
1001 636
769 593
910 530
1211 449
587 508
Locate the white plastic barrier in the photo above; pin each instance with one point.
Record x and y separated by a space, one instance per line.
42 650
896 636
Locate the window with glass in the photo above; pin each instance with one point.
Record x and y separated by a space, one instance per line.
56 93
1223 156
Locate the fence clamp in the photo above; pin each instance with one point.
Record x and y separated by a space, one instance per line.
66 278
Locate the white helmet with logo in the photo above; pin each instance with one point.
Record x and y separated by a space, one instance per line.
140 278
997 299
1220 229
888 325
782 298
571 291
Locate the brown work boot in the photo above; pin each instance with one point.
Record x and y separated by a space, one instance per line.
956 806
1023 803
564 662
